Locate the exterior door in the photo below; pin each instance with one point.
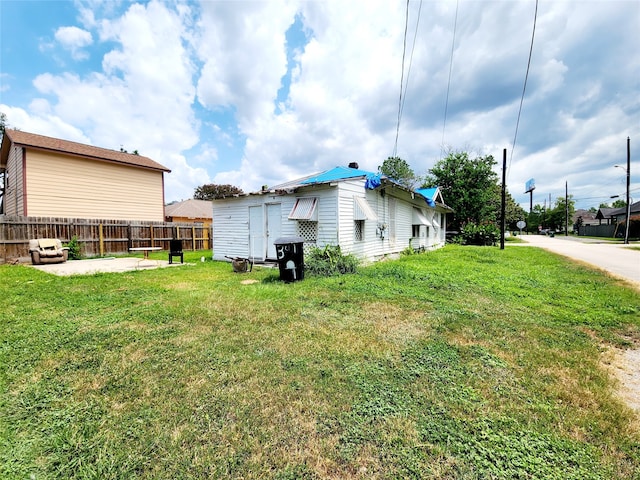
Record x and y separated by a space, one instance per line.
274 227
257 237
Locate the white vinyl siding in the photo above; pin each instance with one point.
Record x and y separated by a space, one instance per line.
337 212
231 229
65 186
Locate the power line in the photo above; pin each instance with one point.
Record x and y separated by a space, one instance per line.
446 103
415 35
404 50
524 88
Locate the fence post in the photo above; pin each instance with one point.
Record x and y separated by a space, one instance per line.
151 233
101 236
193 237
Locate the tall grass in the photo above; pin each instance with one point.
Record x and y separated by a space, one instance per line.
466 362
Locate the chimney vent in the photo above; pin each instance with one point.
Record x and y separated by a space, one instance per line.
353 165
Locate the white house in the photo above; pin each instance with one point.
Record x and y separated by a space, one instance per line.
366 214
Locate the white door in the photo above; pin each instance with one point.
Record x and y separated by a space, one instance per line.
274 227
257 238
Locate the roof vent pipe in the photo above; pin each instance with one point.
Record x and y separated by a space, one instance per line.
353 165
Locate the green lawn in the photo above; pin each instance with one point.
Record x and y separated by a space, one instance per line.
463 363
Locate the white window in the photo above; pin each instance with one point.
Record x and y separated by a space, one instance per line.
358 232
362 210
419 218
305 209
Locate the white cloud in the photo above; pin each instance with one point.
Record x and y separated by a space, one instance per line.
142 99
43 123
74 39
231 58
242 49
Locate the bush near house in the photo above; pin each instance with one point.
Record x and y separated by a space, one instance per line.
483 235
328 261
74 249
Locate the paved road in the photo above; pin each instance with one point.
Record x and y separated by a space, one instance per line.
615 258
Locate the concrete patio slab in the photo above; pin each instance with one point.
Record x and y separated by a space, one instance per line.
103 265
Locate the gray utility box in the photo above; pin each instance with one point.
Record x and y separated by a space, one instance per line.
290 255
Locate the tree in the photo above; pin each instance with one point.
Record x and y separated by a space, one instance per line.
211 191
400 171
513 211
468 186
537 219
557 214
3 124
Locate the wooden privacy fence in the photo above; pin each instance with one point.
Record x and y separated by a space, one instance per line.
97 237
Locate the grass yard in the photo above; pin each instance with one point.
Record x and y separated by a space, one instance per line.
463 363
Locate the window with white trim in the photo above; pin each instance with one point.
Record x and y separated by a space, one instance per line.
305 208
358 230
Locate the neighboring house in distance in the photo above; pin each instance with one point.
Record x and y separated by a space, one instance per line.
620 214
605 214
190 211
588 217
366 214
49 177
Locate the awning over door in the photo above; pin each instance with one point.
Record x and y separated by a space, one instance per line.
362 210
304 209
419 218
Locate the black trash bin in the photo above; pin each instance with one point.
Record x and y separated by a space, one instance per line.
290 254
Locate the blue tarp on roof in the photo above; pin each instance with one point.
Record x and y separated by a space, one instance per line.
373 180
428 194
337 173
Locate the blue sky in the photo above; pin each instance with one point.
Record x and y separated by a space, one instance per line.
258 93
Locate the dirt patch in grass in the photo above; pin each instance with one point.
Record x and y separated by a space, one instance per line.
625 367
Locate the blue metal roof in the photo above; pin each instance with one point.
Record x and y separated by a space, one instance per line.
337 173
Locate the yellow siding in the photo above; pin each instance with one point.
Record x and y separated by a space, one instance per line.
205 221
66 186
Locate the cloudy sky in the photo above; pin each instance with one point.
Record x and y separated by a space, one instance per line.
261 92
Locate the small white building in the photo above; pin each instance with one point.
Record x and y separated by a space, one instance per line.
366 214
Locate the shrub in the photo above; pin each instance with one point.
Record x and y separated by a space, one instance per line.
486 234
329 261
74 249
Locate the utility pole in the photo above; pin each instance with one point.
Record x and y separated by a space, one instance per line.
504 198
626 230
566 209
